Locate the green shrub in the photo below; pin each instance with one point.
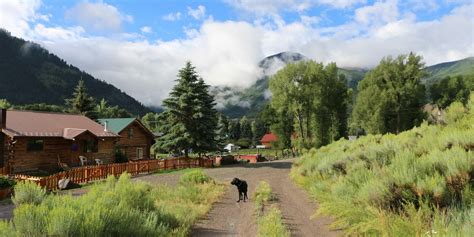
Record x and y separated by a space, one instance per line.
6 228
195 176
416 183
271 224
118 207
27 192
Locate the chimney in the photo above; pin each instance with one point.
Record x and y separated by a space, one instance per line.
105 126
3 118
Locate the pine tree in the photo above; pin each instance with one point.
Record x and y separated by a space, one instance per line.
245 128
189 120
222 131
81 102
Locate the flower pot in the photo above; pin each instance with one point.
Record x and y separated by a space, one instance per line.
5 192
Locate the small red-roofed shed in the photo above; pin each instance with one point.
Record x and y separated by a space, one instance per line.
268 139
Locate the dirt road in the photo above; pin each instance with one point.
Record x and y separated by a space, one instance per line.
228 218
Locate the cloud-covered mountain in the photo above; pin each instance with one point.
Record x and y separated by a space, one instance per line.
236 102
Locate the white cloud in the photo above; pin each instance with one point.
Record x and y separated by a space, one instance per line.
197 13
146 29
15 16
172 16
227 53
271 7
378 13
97 16
309 20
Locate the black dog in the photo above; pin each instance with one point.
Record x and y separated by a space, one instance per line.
242 187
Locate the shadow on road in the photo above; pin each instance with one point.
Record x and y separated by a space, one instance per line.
281 164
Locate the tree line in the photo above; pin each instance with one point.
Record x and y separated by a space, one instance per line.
79 103
313 107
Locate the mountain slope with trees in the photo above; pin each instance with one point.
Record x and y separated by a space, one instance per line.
29 74
236 103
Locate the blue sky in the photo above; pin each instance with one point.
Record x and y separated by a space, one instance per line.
139 46
168 19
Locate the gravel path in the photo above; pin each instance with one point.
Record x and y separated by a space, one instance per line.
228 218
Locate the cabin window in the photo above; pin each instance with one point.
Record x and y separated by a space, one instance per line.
35 145
130 132
91 146
139 153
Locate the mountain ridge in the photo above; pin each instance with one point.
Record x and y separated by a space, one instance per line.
30 74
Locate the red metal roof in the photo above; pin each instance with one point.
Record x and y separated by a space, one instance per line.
45 124
269 137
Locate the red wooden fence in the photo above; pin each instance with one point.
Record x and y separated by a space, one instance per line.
87 174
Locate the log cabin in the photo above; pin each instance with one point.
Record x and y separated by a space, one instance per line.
38 141
135 138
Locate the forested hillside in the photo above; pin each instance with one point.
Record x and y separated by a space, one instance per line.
455 68
29 74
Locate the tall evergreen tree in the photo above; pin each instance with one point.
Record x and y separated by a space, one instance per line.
234 130
189 120
150 120
245 128
81 102
391 96
258 130
222 132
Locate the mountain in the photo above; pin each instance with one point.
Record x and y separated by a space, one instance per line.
29 74
454 68
237 103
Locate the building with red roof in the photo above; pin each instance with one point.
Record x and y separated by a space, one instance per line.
268 139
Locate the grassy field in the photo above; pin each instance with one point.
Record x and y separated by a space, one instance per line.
117 207
417 183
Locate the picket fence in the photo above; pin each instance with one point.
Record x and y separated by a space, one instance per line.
88 174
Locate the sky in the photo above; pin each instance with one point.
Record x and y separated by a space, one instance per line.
139 45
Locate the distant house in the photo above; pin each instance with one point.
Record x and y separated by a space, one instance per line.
268 139
231 147
37 141
135 139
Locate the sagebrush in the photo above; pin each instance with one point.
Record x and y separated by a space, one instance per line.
415 183
118 207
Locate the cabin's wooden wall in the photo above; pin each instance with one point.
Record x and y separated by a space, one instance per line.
139 139
47 160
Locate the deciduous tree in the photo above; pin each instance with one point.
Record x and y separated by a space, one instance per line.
391 96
